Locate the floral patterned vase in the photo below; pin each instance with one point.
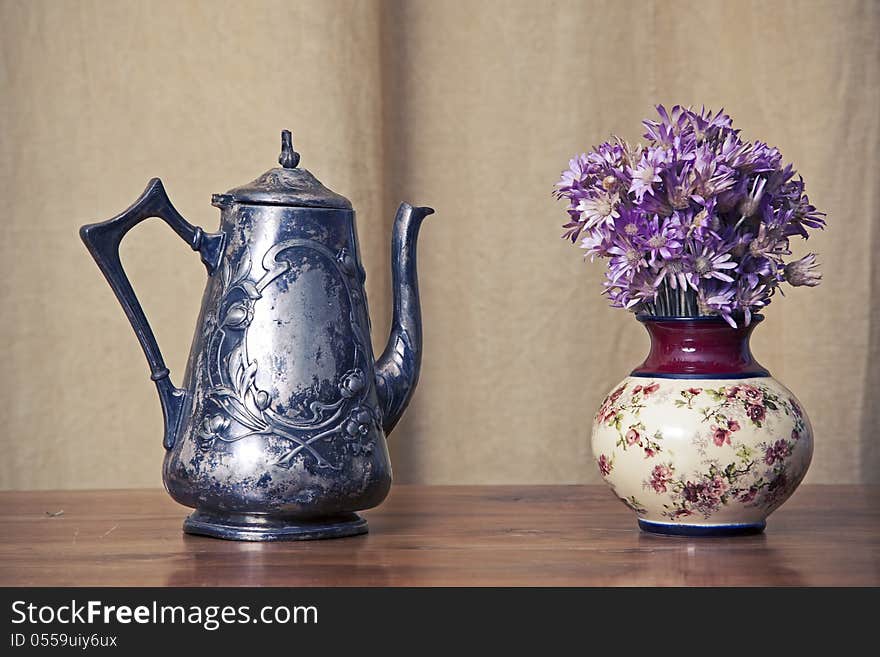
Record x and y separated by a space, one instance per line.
700 439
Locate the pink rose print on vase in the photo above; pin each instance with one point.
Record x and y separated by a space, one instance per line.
756 413
777 452
608 411
660 477
632 437
748 494
635 436
705 496
751 394
720 436
649 390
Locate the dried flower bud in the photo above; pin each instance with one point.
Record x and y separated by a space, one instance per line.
803 272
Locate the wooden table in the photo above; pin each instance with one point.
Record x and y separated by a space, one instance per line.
437 536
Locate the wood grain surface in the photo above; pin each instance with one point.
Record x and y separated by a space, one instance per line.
439 536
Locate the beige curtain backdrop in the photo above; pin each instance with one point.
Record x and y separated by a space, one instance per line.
473 108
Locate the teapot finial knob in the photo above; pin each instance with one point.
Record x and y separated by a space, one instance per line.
289 158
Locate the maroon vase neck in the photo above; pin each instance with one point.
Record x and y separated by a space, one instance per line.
695 347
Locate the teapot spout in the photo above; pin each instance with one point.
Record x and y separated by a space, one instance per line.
397 370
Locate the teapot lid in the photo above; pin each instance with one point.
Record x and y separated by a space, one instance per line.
284 185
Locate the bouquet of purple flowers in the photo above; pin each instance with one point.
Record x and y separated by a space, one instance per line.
695 223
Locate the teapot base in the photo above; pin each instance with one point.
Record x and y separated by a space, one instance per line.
255 527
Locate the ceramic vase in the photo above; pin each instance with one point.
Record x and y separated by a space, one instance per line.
700 439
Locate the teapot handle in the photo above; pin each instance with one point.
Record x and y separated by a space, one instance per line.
103 239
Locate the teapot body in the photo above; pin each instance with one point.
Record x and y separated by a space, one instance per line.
282 416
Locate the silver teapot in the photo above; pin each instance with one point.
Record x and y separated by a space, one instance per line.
278 432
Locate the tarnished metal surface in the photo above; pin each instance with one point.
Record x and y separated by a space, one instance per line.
284 414
278 431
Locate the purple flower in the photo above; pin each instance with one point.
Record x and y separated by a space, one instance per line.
707 264
641 289
576 174
754 270
706 126
702 224
750 298
631 223
717 298
673 273
711 175
647 173
601 208
770 242
750 205
626 259
696 223
596 243
679 185
660 240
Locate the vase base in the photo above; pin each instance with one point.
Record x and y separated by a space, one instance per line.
254 527
674 529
